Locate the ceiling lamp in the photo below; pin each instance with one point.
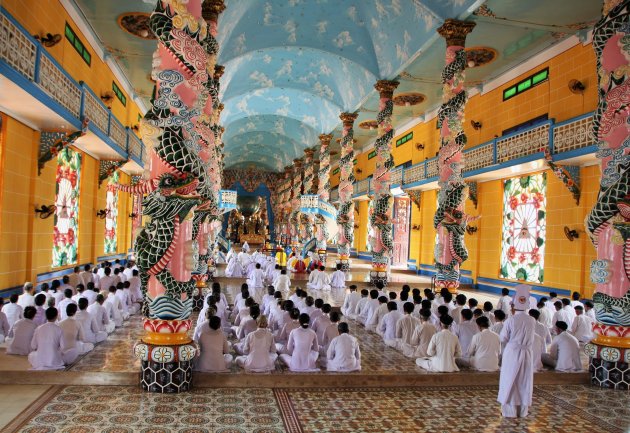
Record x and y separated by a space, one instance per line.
48 40
408 99
137 24
480 56
369 124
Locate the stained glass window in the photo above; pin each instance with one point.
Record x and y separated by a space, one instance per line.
111 218
524 228
66 229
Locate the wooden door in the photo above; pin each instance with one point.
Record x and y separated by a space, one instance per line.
401 231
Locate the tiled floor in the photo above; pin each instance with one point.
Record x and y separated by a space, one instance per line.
558 409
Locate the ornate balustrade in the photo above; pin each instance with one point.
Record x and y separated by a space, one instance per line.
24 60
396 176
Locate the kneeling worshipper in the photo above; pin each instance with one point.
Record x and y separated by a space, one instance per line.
248 325
318 280
73 335
91 331
49 352
21 334
564 352
214 349
283 336
99 312
516 382
5 328
234 268
338 278
423 334
256 279
302 348
405 329
112 305
343 352
582 327
389 322
350 301
442 351
259 349
483 350
282 283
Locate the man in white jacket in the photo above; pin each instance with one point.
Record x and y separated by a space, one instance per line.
483 351
443 349
343 352
564 352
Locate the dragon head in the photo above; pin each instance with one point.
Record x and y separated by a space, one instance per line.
184 185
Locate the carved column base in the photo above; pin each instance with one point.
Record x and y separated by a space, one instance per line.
609 366
345 263
377 276
323 255
166 369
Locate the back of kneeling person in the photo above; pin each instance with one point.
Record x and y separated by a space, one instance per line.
214 348
343 352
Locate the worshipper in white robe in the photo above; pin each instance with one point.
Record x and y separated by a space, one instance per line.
234 268
73 335
99 312
12 310
63 305
328 334
272 273
538 349
422 334
589 311
91 330
40 309
564 352
488 309
256 279
483 351
231 253
354 315
248 325
267 299
259 349
546 316
442 351
4 324
21 334
338 278
582 327
246 247
27 298
373 324
321 323
343 352
107 280
283 282
56 292
86 276
369 308
48 350
516 382
387 327
460 304
112 305
123 297
282 338
553 298
405 329
214 356
321 280
575 300
541 330
569 312
80 289
311 277
90 293
302 348
466 330
350 301
316 313
135 289
96 279
128 272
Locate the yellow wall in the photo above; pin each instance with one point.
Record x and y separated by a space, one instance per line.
25 239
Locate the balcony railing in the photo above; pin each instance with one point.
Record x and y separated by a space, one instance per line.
26 61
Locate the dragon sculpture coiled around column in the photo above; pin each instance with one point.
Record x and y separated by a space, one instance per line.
306 221
345 212
323 191
608 223
381 219
450 220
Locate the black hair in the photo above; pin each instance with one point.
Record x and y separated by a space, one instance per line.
466 314
304 320
343 328
483 322
71 310
51 314
408 307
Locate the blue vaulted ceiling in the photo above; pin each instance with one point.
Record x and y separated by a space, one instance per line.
292 66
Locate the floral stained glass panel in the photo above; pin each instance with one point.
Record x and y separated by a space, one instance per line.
66 229
111 218
524 228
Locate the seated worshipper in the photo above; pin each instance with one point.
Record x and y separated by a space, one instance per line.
56 292
135 289
369 308
86 276
234 268
477 313
423 334
483 350
570 311
559 315
90 293
354 315
546 315
267 299
376 319
338 278
466 330
107 280
243 311
582 327
4 323
73 335
539 347
473 304
389 323
312 276
541 329
40 309
211 311
256 279
63 305
499 319
214 349
96 278
302 348
12 310
442 351
405 329
317 312
505 302
589 311
91 330
27 298
272 305
122 300
564 352
283 316
350 301
22 334
99 312
309 306
328 334
49 352
132 307
272 273
111 304
321 323
239 300
575 299
282 282
259 348
79 293
248 325
343 352
283 336
404 298
320 281
487 311
456 313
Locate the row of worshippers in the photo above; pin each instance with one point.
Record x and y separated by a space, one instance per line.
299 331
53 331
442 335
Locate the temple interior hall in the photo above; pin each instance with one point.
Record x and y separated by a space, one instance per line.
314 216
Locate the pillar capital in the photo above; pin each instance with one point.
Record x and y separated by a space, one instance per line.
325 139
386 88
308 154
211 9
455 31
218 71
297 163
354 141
348 118
220 107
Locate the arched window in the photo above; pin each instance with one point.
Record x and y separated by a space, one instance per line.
111 218
66 229
524 228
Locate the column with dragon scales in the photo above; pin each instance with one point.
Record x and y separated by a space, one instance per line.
450 220
381 218
285 205
306 220
296 192
345 212
323 191
608 223
175 130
